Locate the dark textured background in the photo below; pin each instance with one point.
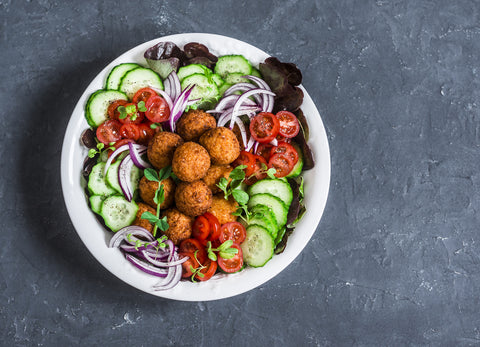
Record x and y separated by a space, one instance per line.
395 259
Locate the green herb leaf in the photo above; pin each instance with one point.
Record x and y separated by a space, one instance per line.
240 196
227 244
238 173
149 216
228 254
159 197
92 152
164 173
123 112
141 106
162 224
151 174
271 173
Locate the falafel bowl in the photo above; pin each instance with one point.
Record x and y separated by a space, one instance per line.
224 184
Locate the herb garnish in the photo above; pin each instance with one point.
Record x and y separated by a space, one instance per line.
225 250
159 198
128 111
92 152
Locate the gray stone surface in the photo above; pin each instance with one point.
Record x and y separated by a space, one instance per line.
395 259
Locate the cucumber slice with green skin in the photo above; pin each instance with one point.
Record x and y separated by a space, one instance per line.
236 77
278 207
223 88
112 176
263 216
258 246
96 202
117 212
116 74
217 79
205 89
138 78
297 169
97 105
97 184
232 63
256 73
275 187
191 69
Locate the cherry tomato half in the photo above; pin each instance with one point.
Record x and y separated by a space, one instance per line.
143 95
118 144
130 131
132 114
157 109
286 149
193 245
190 263
248 159
109 131
233 264
201 228
282 163
264 127
263 150
112 111
208 271
146 134
234 231
214 226
258 172
289 126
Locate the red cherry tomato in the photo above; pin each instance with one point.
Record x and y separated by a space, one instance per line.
233 264
189 264
263 150
130 131
214 226
146 134
264 127
258 172
201 228
109 131
286 149
157 109
193 245
112 111
143 95
282 164
289 126
208 271
248 159
234 231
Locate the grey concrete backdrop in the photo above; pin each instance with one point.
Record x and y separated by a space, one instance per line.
395 259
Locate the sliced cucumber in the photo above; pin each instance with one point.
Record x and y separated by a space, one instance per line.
112 176
117 212
232 63
116 74
96 202
236 77
191 69
205 89
97 105
258 246
275 187
223 88
256 73
263 216
278 207
138 78
97 184
217 79
297 169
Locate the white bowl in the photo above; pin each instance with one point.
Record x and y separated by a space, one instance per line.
96 237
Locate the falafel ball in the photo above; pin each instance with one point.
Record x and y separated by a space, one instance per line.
179 225
143 222
190 162
194 123
222 145
161 148
193 198
148 189
223 209
212 178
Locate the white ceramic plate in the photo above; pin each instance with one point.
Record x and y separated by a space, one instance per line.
96 238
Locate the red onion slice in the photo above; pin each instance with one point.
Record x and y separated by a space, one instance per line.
158 263
124 177
146 267
243 132
112 157
179 106
134 230
245 96
166 95
268 100
242 86
175 85
136 156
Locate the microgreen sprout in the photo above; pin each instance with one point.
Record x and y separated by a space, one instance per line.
141 106
127 111
159 198
197 271
225 250
92 152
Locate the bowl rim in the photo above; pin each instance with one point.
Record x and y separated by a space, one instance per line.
317 182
